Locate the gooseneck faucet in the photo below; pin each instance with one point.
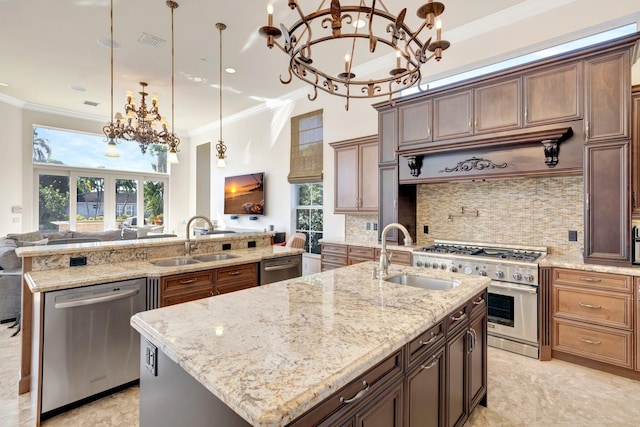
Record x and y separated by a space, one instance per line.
188 245
385 260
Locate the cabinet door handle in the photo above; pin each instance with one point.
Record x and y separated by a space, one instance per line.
234 273
432 364
590 279
358 394
460 316
428 132
581 304
588 341
586 134
478 301
469 341
475 124
187 281
430 340
470 124
526 114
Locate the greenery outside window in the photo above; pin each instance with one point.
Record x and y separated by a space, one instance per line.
309 218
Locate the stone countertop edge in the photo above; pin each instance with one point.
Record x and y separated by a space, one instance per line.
40 250
74 277
285 347
577 263
370 244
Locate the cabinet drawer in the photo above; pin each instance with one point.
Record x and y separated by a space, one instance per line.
236 273
398 258
184 282
355 260
329 248
329 266
360 252
234 286
592 279
456 319
190 295
479 304
606 345
425 342
604 308
336 260
373 380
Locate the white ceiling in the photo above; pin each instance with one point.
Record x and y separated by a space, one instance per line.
46 47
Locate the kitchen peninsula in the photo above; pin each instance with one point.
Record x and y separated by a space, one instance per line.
318 350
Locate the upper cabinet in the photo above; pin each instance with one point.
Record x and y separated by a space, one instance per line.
497 107
453 115
388 137
553 95
635 154
607 96
356 175
414 127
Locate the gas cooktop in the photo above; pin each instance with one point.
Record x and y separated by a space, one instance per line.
486 252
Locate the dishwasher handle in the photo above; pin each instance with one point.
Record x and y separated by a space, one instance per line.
97 300
281 266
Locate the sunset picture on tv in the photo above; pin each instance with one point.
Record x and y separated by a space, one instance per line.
244 194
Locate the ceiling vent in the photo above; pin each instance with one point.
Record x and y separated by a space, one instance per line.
91 103
150 40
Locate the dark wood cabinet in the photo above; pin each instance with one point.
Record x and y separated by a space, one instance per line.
332 256
607 96
453 115
414 124
497 107
384 410
553 94
635 152
478 360
388 199
607 208
425 391
235 278
387 137
356 175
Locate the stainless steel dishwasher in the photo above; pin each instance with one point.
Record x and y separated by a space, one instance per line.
89 347
276 269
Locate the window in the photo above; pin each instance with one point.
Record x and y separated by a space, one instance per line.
73 196
308 213
306 148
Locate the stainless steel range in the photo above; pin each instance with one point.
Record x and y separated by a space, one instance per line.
513 291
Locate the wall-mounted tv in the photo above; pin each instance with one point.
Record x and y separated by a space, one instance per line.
244 194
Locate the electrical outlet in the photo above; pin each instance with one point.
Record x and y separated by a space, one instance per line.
425 229
368 226
573 235
375 226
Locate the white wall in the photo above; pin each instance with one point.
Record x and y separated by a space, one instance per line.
260 142
11 170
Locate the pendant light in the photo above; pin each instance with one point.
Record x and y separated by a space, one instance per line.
221 149
172 140
111 130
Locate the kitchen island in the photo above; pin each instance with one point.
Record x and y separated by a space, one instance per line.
268 356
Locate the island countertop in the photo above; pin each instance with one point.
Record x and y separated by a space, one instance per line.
273 352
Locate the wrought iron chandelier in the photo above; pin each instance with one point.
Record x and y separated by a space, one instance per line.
372 24
141 123
221 149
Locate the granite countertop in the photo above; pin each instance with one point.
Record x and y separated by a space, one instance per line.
273 352
73 277
577 263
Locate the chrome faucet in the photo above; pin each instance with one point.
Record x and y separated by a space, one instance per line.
189 245
385 260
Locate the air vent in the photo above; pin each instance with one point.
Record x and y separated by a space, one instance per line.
150 40
91 103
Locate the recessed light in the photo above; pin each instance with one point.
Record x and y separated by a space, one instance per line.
230 70
106 42
78 88
4 84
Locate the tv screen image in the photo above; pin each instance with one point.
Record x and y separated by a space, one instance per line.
244 194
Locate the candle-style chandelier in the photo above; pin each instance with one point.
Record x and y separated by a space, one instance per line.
370 23
141 124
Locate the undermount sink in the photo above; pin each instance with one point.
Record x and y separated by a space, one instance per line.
424 282
214 257
220 231
174 262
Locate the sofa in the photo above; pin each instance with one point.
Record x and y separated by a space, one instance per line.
11 264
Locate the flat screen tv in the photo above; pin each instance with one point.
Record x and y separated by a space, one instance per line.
244 194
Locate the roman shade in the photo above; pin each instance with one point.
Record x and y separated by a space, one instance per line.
306 148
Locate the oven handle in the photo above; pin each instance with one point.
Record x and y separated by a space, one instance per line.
513 287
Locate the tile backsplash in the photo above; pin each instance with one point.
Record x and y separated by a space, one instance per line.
519 211
524 211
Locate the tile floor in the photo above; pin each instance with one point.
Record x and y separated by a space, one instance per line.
522 392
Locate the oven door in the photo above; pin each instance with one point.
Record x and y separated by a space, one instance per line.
513 311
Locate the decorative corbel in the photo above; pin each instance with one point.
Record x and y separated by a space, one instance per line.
551 150
415 164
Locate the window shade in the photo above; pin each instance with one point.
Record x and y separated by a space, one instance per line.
306 148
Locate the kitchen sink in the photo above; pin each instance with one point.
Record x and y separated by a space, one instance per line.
424 282
214 257
174 262
220 231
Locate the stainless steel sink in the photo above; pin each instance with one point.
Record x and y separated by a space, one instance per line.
220 231
174 262
423 282
214 257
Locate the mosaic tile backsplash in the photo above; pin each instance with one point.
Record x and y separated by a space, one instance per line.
522 211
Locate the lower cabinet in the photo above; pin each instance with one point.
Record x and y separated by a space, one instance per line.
425 386
383 410
335 255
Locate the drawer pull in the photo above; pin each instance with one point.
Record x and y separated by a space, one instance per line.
589 305
358 394
460 316
588 341
432 364
478 301
430 340
187 281
234 273
590 279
